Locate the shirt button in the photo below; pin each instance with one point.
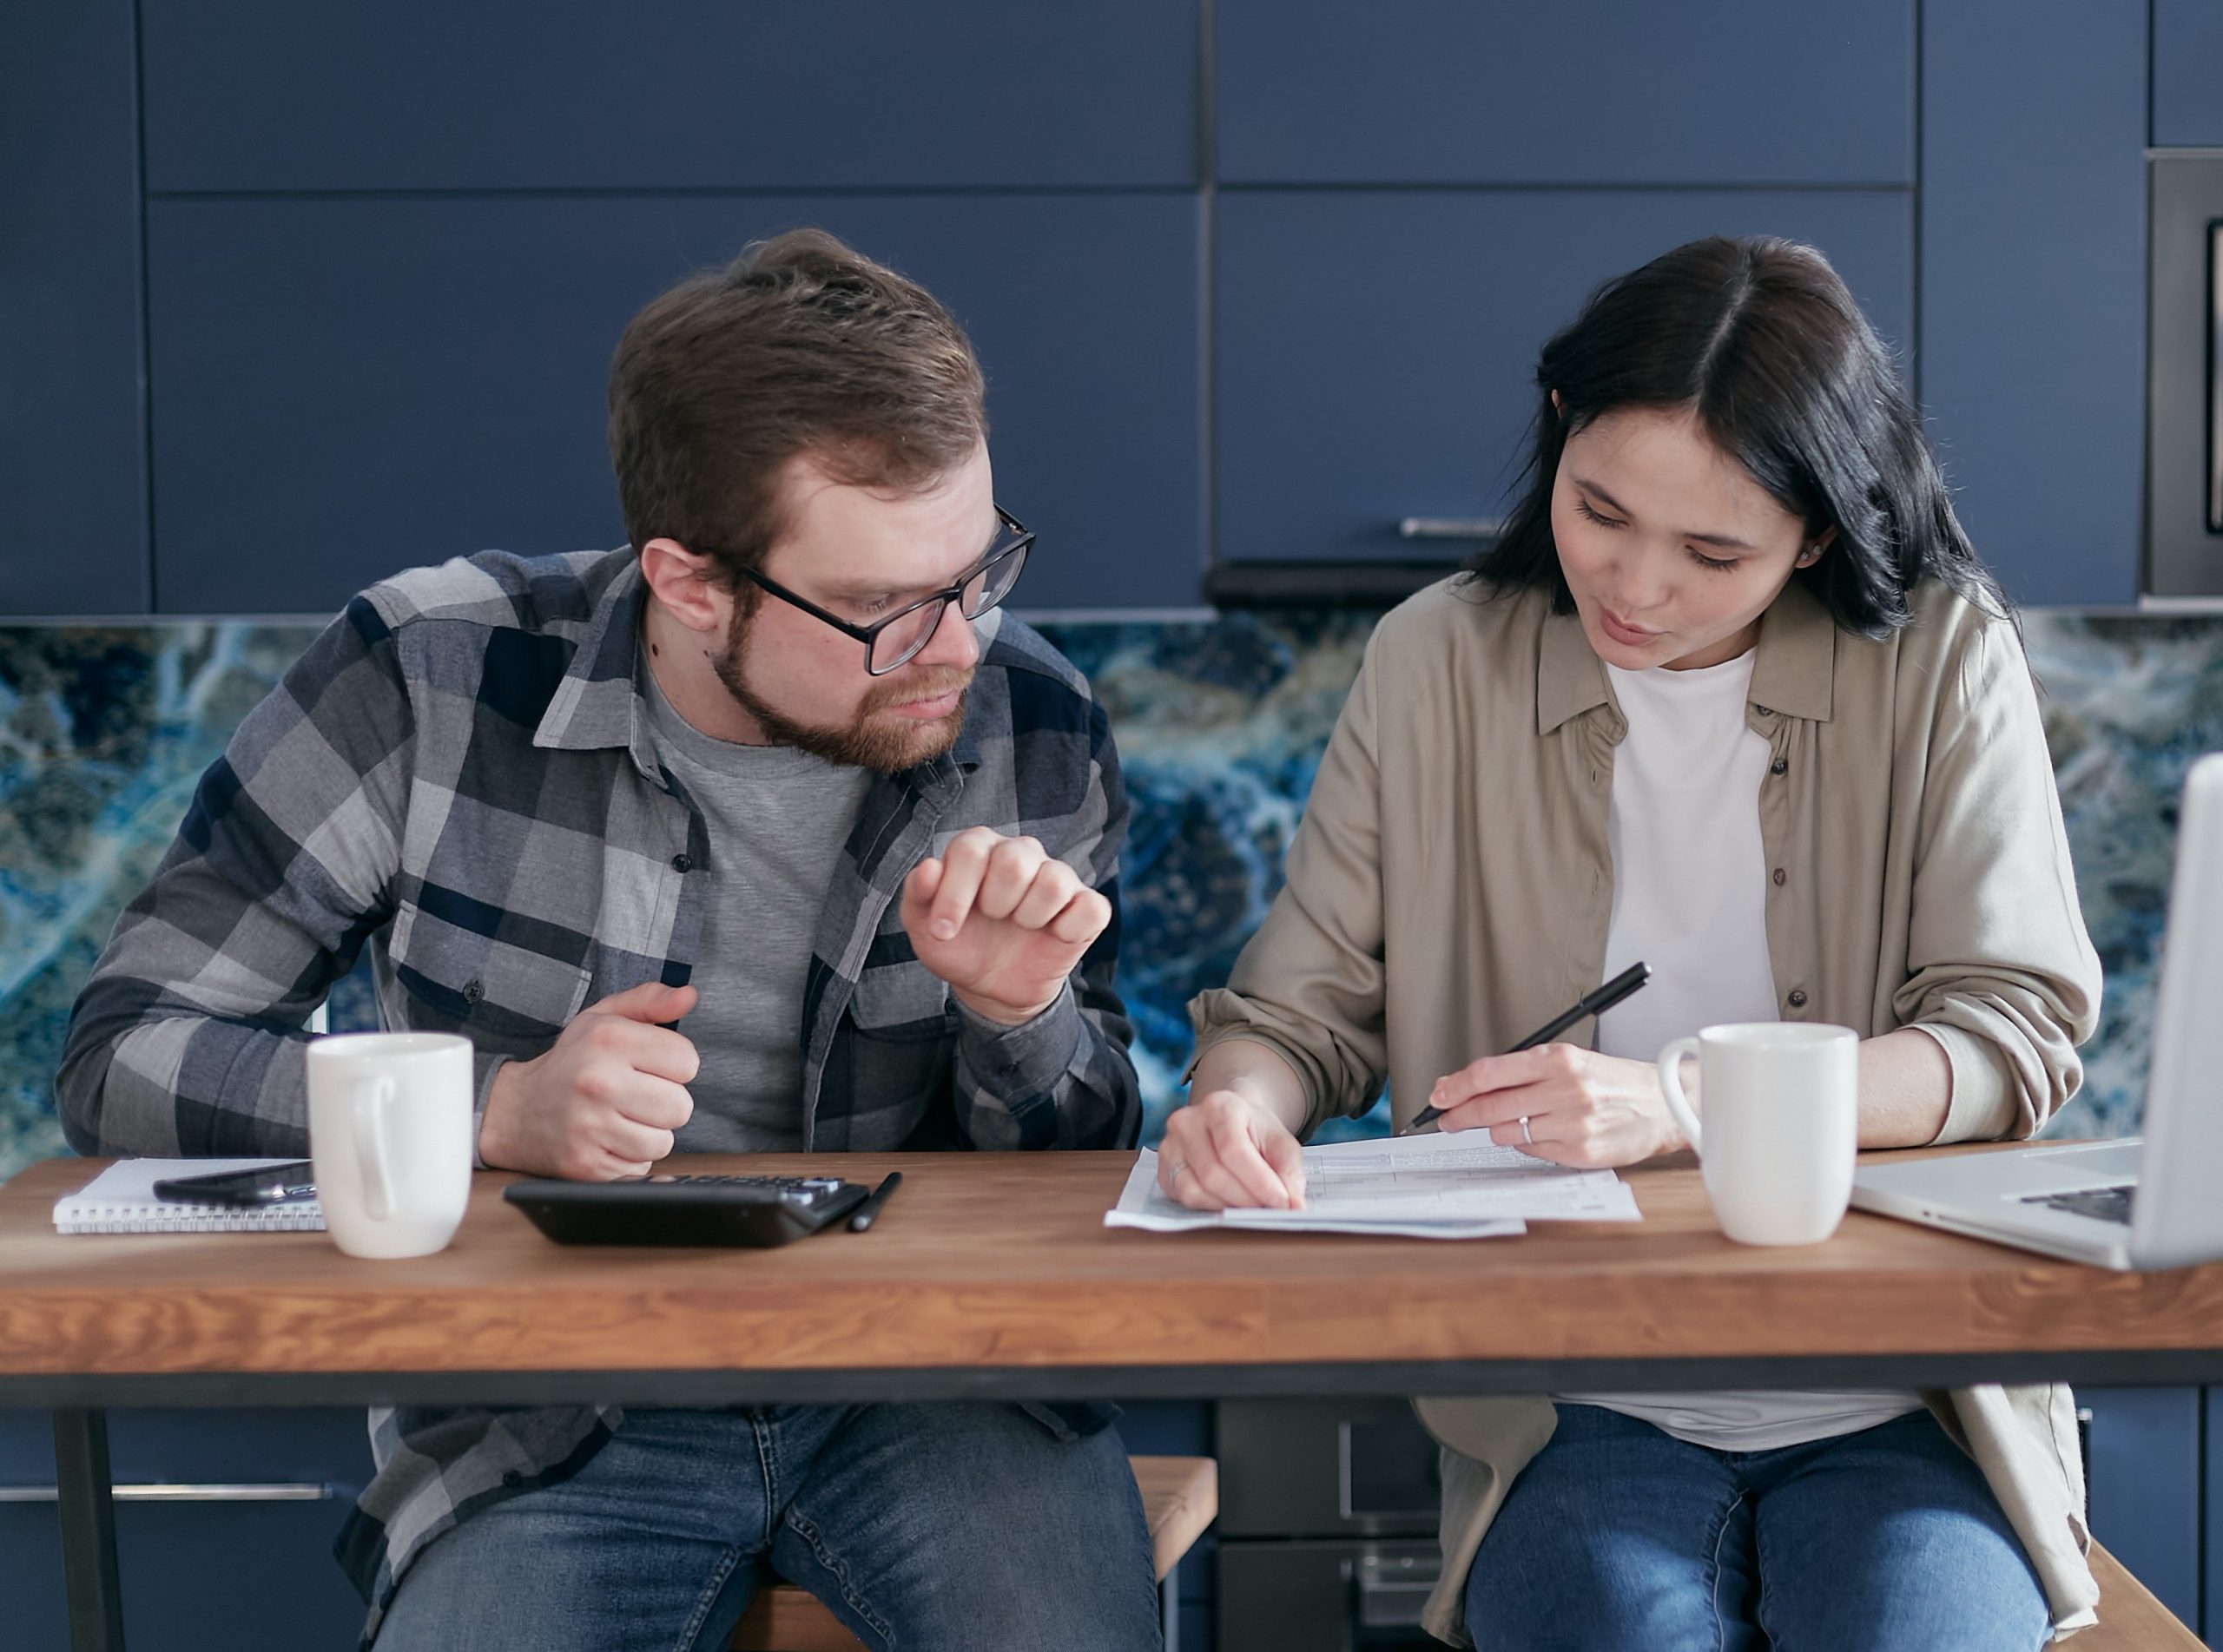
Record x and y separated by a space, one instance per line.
681 862
1779 876
1781 765
1798 997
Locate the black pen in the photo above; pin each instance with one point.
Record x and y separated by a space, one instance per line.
863 1217
1590 1004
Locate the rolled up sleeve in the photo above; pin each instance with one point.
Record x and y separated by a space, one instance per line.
1309 984
2002 973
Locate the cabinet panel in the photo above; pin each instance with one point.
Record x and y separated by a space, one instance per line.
1585 91
2032 285
2211 1527
255 94
2187 86
344 388
2144 1493
1376 350
73 536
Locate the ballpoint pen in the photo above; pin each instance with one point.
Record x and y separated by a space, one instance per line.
861 1218
1590 1004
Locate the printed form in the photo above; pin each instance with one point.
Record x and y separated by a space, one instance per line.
1460 1186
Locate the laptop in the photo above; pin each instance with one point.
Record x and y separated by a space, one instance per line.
2142 1202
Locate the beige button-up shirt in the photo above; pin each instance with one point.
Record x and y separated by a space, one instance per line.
1450 886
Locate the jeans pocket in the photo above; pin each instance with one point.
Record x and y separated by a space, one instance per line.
1059 1428
1072 1420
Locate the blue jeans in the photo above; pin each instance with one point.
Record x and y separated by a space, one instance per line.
964 1525
1619 1535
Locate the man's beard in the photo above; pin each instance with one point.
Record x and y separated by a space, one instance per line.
889 745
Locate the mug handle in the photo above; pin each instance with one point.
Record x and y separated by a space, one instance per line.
1670 1087
372 1097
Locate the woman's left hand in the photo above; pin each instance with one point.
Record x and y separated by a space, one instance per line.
1579 1108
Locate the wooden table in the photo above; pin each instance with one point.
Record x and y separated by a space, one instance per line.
991 1275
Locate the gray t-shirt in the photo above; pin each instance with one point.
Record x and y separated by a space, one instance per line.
777 818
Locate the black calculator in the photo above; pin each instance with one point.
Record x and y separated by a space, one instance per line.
756 1211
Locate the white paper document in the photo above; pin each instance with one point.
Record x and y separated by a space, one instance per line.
1460 1186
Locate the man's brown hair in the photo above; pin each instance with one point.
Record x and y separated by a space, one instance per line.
799 345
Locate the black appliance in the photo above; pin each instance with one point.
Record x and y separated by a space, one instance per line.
1327 1526
2184 376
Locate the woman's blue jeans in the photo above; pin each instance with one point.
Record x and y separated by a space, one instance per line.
967 1525
1621 1535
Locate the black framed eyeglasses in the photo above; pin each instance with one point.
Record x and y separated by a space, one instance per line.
893 640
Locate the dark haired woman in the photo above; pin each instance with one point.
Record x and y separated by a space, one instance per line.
1732 695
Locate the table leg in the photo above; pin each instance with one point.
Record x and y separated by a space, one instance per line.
1168 1610
87 1503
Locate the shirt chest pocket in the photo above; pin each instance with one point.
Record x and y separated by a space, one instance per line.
501 994
902 1004
905 1027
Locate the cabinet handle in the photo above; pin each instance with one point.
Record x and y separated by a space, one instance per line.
282 1491
1451 527
1393 1594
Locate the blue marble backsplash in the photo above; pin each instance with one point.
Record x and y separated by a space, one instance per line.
1221 722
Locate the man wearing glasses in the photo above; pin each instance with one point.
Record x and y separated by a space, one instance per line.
766 832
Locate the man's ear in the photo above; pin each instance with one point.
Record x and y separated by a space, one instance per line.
685 586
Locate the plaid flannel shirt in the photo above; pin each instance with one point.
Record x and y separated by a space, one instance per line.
459 773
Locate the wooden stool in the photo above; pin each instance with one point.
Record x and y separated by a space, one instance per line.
1180 1498
2130 1620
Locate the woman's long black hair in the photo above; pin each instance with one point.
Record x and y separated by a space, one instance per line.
1762 341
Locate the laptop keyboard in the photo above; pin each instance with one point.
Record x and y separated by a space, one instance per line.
2102 1204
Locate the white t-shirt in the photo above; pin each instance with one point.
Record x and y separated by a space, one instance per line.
1690 898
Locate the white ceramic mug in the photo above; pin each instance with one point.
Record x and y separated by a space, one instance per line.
389 1130
1782 1125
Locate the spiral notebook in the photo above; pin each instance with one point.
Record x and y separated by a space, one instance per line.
120 1200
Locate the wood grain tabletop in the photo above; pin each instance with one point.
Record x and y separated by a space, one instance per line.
1002 1260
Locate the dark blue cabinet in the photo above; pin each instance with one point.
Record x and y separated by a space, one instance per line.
345 387
1375 350
263 95
240 1561
73 530
1582 91
2143 1465
2211 1541
2032 361
237 1558
386 250
2187 73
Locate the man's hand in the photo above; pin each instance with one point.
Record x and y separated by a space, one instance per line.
1001 922
604 1099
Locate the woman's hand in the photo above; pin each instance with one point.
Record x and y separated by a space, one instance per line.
1224 1149
1581 1107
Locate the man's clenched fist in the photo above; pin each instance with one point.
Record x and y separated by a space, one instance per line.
1001 922
604 1100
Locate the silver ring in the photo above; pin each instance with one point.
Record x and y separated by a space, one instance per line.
1527 1140
1174 1175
